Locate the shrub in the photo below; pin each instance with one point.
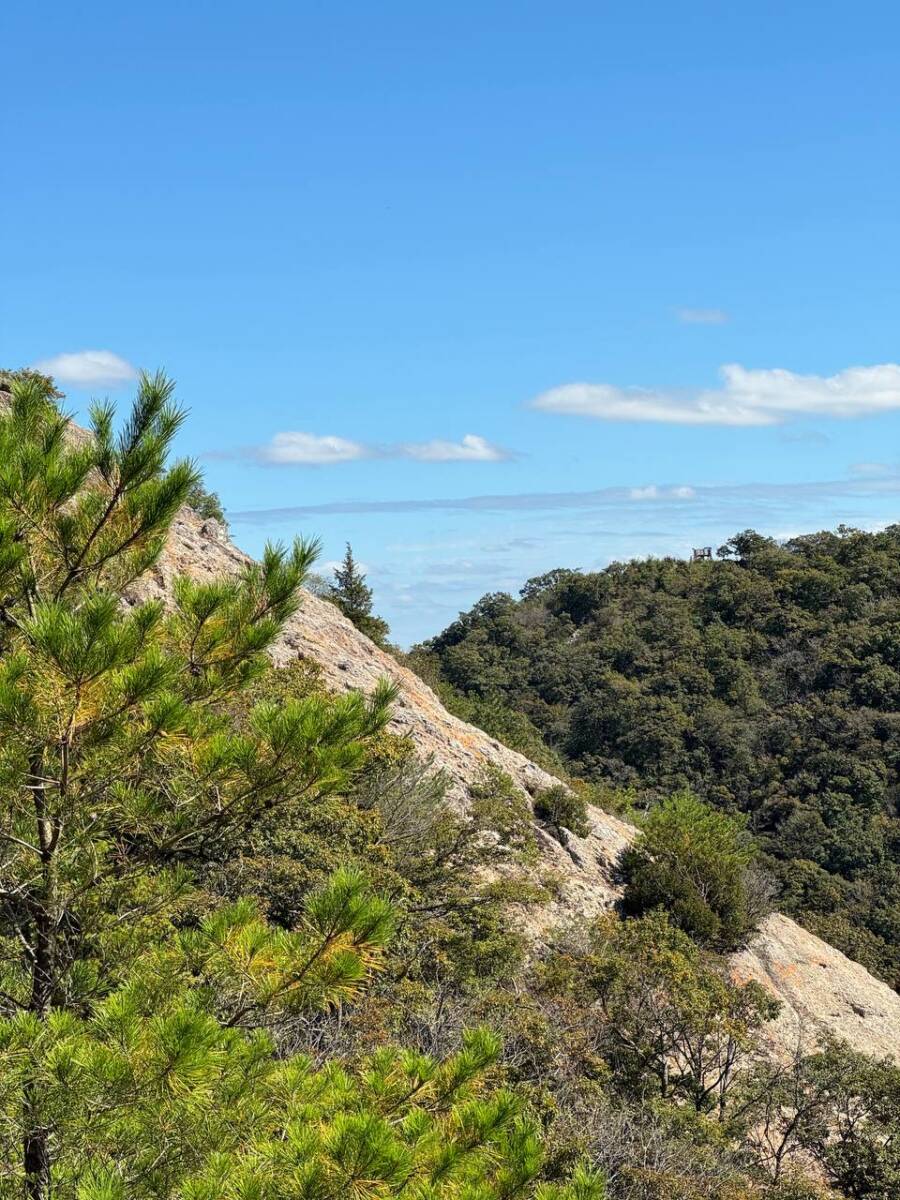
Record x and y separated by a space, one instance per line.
698 864
499 806
562 809
206 503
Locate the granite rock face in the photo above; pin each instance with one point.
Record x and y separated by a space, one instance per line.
348 660
821 991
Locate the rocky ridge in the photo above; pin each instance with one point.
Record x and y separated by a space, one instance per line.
821 991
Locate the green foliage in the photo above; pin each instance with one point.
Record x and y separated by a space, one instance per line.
851 1121
249 948
394 821
674 1019
635 1045
562 809
353 597
206 503
767 681
836 1108
490 713
696 864
167 1089
118 769
500 807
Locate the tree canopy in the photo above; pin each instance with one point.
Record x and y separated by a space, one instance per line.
696 864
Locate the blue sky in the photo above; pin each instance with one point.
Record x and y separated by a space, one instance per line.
483 288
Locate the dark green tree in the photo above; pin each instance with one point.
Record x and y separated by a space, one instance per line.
696 864
353 596
205 503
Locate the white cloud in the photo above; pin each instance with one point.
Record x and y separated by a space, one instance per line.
472 448
309 449
702 316
88 368
746 398
296 448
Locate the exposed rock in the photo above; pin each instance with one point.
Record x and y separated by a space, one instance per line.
348 660
821 990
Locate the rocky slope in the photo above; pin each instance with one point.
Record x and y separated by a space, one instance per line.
821 990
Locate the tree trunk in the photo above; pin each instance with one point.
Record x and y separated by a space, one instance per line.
35 1147
36 1138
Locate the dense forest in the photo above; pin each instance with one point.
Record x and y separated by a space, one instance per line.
248 950
766 680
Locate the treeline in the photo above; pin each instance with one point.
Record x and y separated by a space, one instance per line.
767 681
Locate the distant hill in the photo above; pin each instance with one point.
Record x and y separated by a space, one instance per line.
767 680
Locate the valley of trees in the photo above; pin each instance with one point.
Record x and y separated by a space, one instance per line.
248 951
766 681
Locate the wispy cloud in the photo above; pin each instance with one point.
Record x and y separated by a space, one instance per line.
659 498
702 316
88 368
872 470
652 492
746 398
331 565
296 448
803 437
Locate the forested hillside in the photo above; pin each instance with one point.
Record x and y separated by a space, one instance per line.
766 680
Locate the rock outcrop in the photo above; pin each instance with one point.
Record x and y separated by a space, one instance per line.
821 991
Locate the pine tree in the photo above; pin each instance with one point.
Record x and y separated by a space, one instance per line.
154 1095
117 769
353 596
696 863
206 503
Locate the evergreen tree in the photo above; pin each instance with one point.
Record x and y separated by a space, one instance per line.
117 769
205 503
353 596
696 863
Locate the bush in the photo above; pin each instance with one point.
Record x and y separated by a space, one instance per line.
674 1023
698 864
562 809
500 807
